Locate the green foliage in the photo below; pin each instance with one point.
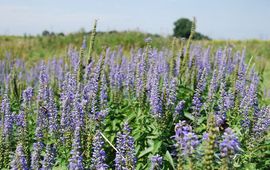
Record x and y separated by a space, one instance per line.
45 33
183 27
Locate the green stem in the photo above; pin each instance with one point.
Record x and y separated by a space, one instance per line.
92 41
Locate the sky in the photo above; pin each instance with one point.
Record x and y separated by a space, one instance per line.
227 19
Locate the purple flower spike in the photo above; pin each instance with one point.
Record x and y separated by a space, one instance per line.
156 162
229 145
179 107
99 155
36 155
76 160
125 158
49 158
8 116
28 94
19 160
155 101
262 122
186 140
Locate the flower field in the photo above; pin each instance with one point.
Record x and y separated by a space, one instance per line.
183 107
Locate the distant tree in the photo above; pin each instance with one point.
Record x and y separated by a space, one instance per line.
45 33
61 34
112 32
182 28
199 36
52 34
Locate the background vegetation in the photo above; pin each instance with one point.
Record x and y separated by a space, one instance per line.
34 48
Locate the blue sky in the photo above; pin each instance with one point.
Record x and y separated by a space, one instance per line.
227 19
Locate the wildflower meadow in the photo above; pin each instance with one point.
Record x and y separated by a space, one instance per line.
182 106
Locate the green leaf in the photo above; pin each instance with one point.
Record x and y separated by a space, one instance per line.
156 146
169 158
189 116
131 117
146 151
248 166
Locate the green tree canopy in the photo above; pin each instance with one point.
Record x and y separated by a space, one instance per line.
45 33
182 28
